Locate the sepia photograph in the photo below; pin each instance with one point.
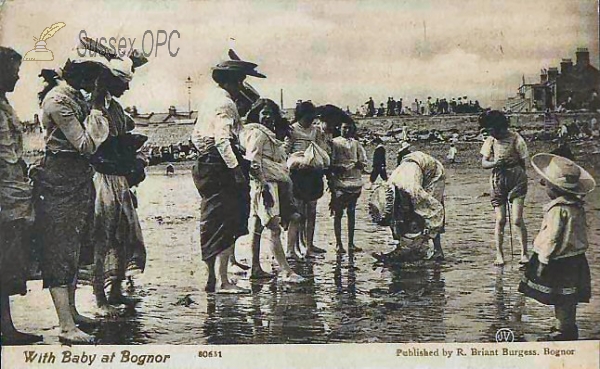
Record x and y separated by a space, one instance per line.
404 180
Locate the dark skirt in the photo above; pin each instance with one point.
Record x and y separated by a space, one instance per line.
225 205
64 203
563 282
14 257
15 220
308 184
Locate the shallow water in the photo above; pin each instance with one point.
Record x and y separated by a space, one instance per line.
349 298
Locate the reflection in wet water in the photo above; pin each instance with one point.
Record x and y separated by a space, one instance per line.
349 297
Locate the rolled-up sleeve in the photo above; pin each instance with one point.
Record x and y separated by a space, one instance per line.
85 136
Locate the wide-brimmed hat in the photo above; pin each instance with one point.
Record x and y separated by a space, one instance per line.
381 204
390 206
403 146
563 173
240 66
120 66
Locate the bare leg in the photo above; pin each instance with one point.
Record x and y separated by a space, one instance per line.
10 335
293 235
77 318
519 226
499 233
212 279
233 261
273 237
104 308
68 330
337 230
223 283
257 271
116 296
438 254
351 226
311 219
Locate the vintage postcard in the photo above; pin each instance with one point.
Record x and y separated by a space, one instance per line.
302 184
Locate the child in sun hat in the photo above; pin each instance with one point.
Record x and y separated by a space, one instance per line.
558 273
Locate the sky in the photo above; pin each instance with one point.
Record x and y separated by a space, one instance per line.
339 52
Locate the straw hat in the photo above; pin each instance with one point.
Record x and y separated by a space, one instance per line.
404 146
381 204
563 174
390 206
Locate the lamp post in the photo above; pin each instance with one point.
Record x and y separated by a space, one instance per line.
189 82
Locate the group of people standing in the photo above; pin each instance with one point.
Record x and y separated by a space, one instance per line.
74 206
419 107
264 177
270 174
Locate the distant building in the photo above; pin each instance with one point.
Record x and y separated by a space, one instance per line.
172 117
573 87
165 129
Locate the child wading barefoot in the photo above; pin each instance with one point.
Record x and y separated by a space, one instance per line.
558 273
347 162
505 152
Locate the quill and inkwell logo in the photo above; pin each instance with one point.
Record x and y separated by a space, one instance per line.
40 52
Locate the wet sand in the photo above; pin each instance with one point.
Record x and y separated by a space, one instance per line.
349 299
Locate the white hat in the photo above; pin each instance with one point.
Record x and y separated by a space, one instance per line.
404 146
119 66
563 174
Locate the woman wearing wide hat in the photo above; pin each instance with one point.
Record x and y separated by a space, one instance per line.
220 174
412 201
63 185
558 272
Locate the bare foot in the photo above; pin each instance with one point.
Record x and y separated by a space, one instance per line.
123 300
293 278
75 336
499 261
228 288
354 248
524 259
84 320
260 274
108 311
15 338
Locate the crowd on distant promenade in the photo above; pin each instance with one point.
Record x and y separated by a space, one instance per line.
438 106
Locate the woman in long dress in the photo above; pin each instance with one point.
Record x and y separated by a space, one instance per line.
64 188
219 175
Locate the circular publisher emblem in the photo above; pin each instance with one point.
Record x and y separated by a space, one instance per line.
505 335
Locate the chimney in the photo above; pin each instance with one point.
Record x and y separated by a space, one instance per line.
544 76
566 66
172 110
552 74
583 57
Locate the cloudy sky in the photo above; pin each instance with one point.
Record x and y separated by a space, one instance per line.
338 52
